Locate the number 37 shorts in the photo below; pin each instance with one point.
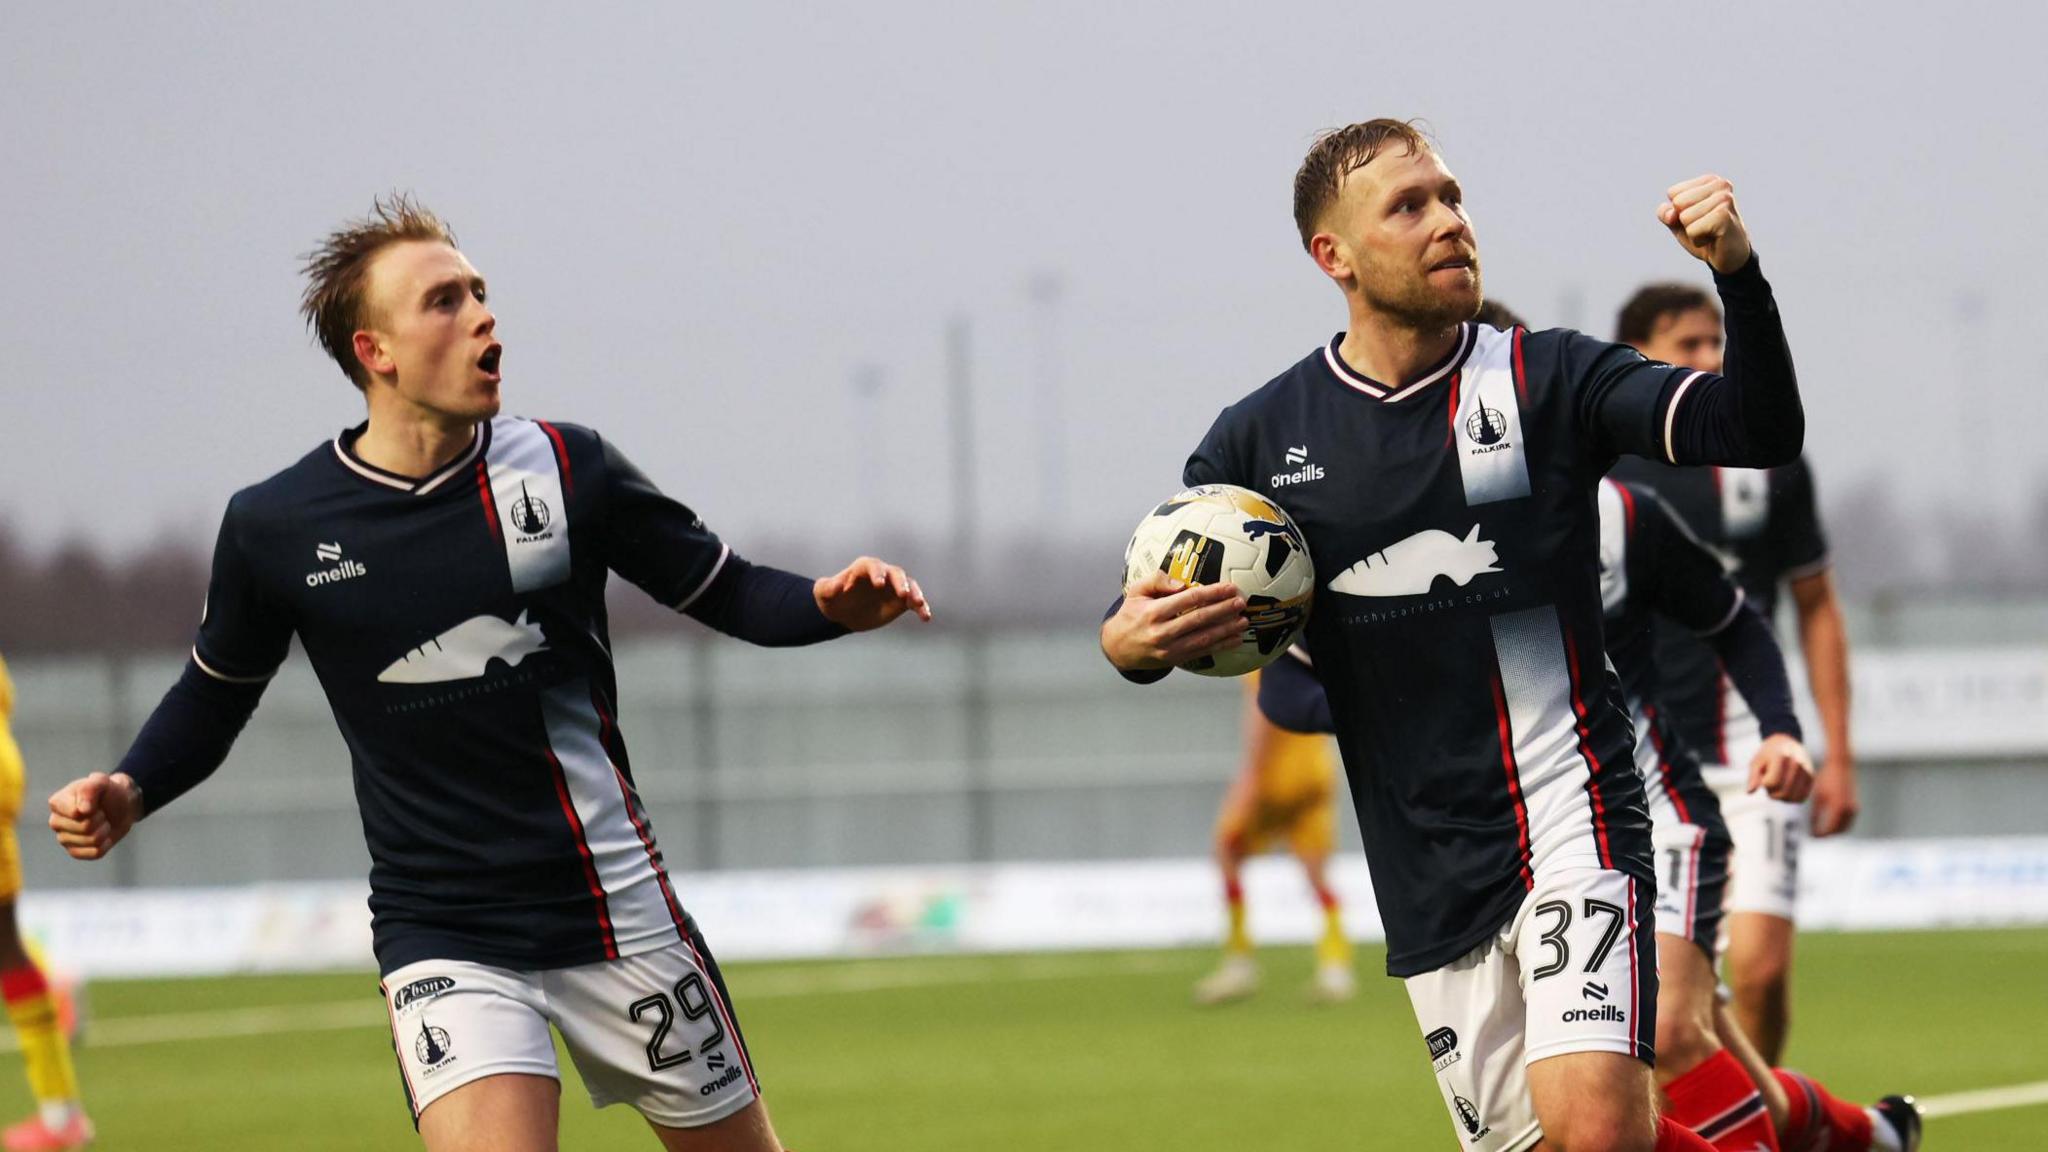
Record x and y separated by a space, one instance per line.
654 1030
1575 970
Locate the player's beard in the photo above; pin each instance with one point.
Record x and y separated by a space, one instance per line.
1408 297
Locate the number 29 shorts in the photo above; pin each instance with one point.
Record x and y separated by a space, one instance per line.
655 1030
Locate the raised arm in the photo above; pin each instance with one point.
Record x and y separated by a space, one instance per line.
1750 414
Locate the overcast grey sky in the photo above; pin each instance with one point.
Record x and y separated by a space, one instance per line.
700 221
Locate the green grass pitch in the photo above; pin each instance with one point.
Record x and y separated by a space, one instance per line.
1051 1052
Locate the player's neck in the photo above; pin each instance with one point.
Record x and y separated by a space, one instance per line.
1391 352
416 444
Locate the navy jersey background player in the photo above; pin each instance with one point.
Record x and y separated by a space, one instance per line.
1766 525
1458 623
444 569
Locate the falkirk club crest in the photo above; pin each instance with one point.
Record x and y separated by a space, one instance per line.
529 513
431 1045
1487 426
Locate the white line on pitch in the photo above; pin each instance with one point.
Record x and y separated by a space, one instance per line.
865 976
869 976
1985 1100
171 1027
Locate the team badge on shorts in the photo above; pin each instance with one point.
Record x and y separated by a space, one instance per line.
432 1047
1468 1115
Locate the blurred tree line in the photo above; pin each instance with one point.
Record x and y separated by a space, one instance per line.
78 599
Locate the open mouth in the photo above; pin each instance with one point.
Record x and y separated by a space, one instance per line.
1453 262
489 360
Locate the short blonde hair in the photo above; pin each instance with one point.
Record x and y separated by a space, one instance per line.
338 273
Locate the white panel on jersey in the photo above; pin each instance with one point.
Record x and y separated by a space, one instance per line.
1491 453
1537 684
1613 549
639 909
1745 501
533 516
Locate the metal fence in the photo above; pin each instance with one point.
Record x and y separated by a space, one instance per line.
901 747
890 748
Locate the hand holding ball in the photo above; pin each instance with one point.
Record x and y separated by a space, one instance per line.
1219 533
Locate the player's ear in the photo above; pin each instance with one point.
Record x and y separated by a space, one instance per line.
1332 257
370 352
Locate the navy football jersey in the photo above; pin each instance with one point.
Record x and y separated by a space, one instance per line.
457 624
1764 525
1457 620
1653 570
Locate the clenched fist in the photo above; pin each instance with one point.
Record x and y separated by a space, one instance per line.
1701 214
1782 769
91 814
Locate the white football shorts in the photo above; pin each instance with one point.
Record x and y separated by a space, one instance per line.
654 1030
1574 971
1767 833
1692 881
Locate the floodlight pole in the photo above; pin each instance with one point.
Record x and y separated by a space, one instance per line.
974 693
867 404
1046 291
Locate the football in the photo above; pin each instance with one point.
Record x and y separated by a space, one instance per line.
1219 532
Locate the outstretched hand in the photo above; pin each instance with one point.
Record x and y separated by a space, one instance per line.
91 814
1701 214
868 594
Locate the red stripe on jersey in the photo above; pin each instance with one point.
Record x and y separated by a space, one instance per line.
1451 413
561 457
1521 377
633 813
1664 769
1571 655
668 894
1628 509
1507 762
604 912
483 493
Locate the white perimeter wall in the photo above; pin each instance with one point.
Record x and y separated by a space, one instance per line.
1848 885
